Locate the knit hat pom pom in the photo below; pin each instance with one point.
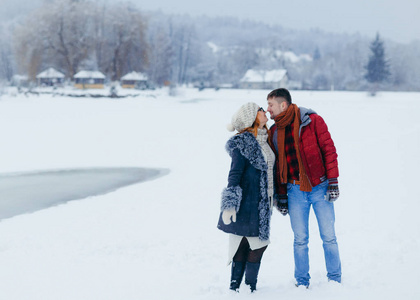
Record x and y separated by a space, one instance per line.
230 127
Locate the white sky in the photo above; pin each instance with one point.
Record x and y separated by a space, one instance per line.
394 19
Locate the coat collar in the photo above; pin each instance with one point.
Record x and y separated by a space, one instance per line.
248 146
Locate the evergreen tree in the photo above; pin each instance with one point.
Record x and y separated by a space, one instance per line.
377 67
317 54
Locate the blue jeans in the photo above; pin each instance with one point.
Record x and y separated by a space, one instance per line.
299 206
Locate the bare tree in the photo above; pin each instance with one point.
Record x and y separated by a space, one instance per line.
6 54
60 34
70 34
186 52
161 55
28 49
123 42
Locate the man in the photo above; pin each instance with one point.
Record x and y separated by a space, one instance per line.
306 174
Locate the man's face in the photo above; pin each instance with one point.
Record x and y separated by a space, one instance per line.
276 106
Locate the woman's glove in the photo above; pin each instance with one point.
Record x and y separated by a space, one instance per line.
227 214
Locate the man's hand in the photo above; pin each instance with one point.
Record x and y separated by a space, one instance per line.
333 192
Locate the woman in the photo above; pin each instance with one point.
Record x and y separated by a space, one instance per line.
247 201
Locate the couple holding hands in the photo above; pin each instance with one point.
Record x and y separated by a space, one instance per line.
290 166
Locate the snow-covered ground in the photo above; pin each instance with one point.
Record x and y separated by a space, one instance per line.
158 239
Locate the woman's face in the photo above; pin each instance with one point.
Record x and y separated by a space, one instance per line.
261 117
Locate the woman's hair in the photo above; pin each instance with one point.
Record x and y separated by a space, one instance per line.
254 128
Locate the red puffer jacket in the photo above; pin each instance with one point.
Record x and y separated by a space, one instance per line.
316 148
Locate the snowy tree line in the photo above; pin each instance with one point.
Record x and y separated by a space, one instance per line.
115 39
74 35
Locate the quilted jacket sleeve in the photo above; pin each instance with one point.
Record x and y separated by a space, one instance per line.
326 144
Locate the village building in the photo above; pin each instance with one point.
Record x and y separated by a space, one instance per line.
134 80
89 80
50 77
263 79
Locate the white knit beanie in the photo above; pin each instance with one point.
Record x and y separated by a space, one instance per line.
244 117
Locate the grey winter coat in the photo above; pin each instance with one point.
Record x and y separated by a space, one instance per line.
247 189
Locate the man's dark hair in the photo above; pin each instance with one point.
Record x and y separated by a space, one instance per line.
280 93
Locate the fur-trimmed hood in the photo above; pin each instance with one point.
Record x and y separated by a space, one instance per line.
248 145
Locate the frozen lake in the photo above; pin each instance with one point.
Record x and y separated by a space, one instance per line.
28 192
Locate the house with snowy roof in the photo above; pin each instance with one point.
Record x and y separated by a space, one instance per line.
89 80
50 77
134 80
264 79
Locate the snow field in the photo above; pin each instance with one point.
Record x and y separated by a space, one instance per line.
158 239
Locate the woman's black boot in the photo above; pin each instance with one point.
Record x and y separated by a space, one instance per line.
251 275
237 274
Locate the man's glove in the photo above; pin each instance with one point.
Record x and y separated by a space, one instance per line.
333 191
280 202
227 214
